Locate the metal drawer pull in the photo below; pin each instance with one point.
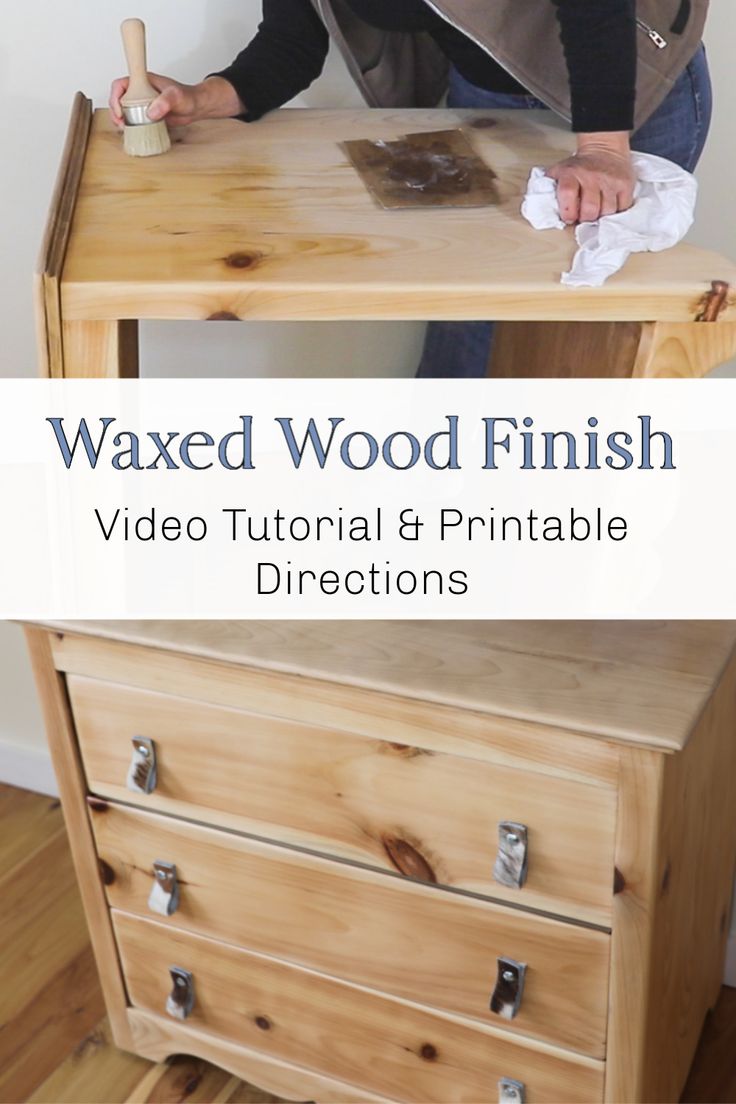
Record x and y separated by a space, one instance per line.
513 854
142 769
506 999
164 895
180 1001
511 1092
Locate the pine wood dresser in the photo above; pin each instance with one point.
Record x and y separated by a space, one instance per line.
396 861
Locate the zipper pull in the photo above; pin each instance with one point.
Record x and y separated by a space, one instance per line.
659 41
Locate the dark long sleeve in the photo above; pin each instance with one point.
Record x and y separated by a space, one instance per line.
599 38
287 53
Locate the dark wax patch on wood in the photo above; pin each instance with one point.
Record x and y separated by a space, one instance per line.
484 123
438 168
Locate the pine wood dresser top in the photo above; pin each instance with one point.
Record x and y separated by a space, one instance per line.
270 221
644 683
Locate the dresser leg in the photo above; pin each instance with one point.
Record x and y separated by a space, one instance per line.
610 350
675 856
72 789
684 350
100 350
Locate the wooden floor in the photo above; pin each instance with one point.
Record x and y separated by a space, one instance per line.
54 1040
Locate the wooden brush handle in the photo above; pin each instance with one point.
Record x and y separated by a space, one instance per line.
140 89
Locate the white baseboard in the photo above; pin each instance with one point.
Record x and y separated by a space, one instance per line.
28 768
730 978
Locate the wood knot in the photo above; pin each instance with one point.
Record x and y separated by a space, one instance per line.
484 123
714 301
666 877
263 1022
97 805
192 1084
429 1053
56 804
222 316
107 874
619 882
242 260
407 860
406 751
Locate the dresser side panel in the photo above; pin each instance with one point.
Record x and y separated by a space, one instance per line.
694 886
72 789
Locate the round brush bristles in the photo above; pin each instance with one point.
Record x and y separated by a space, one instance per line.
146 141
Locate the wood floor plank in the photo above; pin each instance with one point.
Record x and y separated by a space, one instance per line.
42 926
28 820
713 1076
182 1079
247 1094
41 1035
94 1071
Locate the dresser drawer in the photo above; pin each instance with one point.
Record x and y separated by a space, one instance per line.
439 949
395 1049
424 813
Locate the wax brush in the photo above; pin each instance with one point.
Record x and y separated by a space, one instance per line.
142 137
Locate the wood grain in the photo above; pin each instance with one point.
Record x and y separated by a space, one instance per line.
183 1078
696 860
352 796
100 350
684 352
565 350
90 1069
28 821
713 1076
677 854
639 812
44 1030
271 221
157 1038
56 240
552 751
360 925
53 998
610 350
69 774
94 1071
402 1051
643 683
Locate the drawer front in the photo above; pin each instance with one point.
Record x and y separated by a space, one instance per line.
384 1046
424 813
437 948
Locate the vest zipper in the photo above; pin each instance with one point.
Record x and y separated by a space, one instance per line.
659 41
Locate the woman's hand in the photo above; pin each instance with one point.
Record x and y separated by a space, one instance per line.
598 180
181 104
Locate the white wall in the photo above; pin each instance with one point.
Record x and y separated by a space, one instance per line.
49 50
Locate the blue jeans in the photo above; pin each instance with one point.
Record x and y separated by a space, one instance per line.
677 130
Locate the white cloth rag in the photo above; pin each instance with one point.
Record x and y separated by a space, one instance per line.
663 212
